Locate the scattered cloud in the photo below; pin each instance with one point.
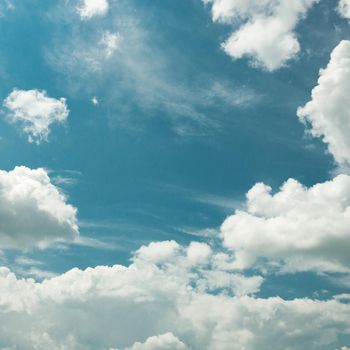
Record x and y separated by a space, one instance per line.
328 112
85 58
297 228
35 112
132 55
92 8
266 31
33 212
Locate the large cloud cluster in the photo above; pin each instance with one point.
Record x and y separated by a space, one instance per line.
328 111
33 212
35 112
298 228
152 304
266 33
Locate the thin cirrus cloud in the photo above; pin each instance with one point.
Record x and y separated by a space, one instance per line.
266 34
328 111
296 229
35 112
91 8
33 212
157 303
144 72
110 42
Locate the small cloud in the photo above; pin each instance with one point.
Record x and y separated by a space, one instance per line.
92 8
35 112
344 8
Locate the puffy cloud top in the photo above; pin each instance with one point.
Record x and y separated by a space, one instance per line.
33 212
162 342
34 111
328 111
266 34
151 307
298 228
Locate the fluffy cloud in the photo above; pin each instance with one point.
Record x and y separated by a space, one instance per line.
91 8
33 212
151 306
266 34
328 112
35 112
344 8
162 342
297 228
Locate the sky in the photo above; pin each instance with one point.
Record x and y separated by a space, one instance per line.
175 175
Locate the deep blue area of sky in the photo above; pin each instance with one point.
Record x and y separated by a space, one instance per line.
137 180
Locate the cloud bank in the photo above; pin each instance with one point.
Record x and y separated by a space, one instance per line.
154 304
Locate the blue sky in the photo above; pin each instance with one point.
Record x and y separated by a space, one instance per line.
165 132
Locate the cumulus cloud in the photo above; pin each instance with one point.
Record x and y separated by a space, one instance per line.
91 8
35 112
162 342
266 34
344 8
328 111
152 305
33 212
297 228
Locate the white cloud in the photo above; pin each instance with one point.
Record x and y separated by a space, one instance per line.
33 212
35 112
92 8
198 253
111 42
158 252
328 112
94 101
162 342
266 33
344 8
153 306
297 228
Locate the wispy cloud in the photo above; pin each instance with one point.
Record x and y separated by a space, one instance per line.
124 49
